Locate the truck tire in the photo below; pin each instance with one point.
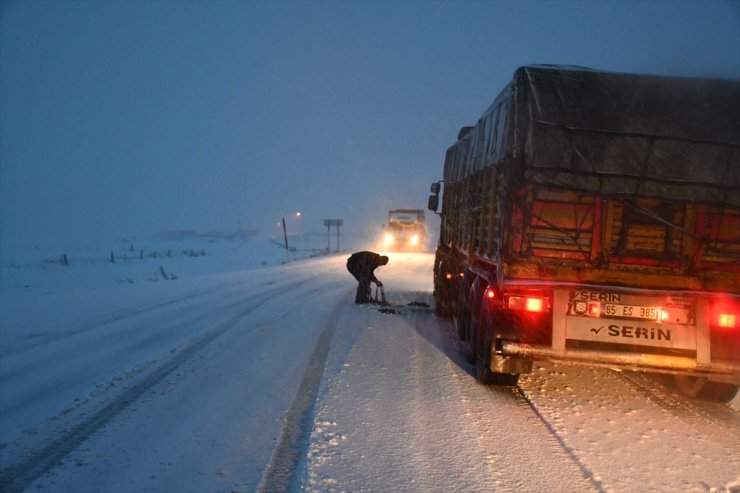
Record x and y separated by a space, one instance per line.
439 309
463 313
465 333
443 287
462 322
471 308
483 373
705 390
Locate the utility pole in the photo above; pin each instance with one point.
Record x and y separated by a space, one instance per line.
285 234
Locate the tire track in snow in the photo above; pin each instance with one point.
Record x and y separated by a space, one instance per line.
711 413
20 367
125 313
501 401
632 433
668 398
294 437
456 351
587 473
19 476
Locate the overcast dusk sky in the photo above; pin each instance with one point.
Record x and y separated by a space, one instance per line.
130 118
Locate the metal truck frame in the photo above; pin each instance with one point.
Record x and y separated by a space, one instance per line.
594 218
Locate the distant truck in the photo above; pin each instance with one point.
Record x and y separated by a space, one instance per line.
594 218
405 230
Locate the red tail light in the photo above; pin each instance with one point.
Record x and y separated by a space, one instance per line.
490 294
724 314
594 309
726 320
529 304
534 305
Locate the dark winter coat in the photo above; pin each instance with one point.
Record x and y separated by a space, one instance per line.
362 264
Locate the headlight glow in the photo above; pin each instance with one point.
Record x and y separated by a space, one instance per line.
414 240
388 239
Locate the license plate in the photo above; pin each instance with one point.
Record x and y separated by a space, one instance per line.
631 311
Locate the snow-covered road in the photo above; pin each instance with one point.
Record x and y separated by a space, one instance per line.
273 380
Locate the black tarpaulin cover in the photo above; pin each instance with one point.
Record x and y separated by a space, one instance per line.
623 134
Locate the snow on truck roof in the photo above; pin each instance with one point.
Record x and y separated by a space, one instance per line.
652 105
662 136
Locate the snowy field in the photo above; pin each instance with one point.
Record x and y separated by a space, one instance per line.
210 364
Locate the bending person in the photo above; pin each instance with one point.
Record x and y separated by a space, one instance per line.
362 266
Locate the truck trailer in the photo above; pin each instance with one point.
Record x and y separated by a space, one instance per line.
593 218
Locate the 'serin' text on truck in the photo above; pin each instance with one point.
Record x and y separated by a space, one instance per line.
405 230
594 218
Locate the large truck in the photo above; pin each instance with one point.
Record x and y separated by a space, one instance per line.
405 230
594 218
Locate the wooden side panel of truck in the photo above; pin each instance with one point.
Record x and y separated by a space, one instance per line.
594 218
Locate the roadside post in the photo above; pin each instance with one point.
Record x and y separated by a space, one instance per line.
329 223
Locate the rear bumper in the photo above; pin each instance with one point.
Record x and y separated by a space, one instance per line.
719 371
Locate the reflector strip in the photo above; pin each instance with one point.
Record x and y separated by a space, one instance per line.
515 303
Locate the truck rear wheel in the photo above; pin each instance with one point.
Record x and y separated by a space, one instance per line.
442 305
465 334
440 309
705 390
442 302
463 316
482 349
466 328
